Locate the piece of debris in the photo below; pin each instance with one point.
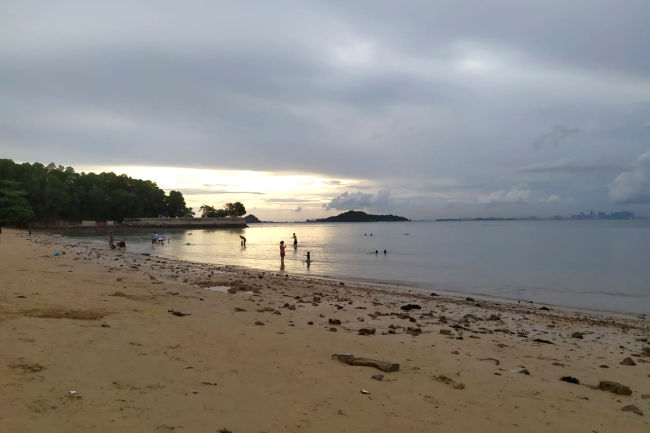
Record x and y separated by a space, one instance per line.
615 387
334 321
377 376
570 379
413 331
577 334
448 381
520 370
541 340
367 331
33 368
363 391
259 323
628 361
445 331
632 408
496 361
384 366
409 307
178 313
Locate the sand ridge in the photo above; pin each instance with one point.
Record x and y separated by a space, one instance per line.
101 323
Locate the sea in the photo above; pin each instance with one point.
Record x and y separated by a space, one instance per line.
593 265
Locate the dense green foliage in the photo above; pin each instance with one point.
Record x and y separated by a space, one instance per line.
57 193
232 210
14 207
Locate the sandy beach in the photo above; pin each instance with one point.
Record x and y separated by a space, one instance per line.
97 340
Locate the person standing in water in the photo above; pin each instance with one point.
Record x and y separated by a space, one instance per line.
243 240
295 241
282 248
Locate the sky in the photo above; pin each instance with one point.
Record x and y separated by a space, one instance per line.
303 109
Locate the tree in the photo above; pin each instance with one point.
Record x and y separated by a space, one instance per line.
14 207
176 205
208 211
234 210
58 193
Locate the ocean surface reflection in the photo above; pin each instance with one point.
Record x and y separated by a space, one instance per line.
581 264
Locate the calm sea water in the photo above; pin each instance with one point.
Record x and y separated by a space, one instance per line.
602 265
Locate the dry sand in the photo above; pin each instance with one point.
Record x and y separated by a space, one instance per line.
97 322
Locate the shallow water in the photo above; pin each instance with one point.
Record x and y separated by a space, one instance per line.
601 265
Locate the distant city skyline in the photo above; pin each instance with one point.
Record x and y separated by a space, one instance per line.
303 110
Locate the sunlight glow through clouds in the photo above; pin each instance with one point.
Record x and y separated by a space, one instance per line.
271 194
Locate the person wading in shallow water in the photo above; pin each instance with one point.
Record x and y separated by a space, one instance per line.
295 241
282 248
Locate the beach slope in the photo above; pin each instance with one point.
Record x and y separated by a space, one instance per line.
108 341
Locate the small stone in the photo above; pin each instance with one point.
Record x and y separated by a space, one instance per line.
105 325
470 299
310 323
413 331
576 334
333 329
632 408
409 307
615 387
570 379
445 331
334 322
378 376
604 366
628 361
259 323
367 331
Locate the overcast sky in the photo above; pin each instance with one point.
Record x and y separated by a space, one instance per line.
422 108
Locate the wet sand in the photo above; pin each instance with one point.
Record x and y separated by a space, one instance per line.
98 322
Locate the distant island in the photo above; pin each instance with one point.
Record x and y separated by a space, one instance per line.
251 219
354 216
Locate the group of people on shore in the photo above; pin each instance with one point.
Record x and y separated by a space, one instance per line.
113 244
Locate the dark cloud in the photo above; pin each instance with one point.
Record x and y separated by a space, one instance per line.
554 137
290 200
569 166
202 191
358 200
387 94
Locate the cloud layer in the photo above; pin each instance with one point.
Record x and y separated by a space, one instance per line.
491 95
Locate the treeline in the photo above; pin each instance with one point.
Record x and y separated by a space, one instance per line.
232 210
35 192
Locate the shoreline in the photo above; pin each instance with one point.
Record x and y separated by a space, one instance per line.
102 323
400 286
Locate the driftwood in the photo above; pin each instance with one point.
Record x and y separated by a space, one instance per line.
367 362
